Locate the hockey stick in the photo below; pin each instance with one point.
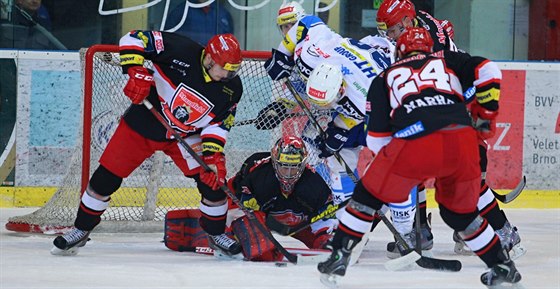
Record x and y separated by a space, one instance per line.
292 258
425 262
507 198
305 256
412 256
286 230
313 120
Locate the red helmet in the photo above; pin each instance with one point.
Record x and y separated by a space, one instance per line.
415 39
392 12
289 158
225 51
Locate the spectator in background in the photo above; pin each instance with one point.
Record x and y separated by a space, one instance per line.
30 27
35 10
201 23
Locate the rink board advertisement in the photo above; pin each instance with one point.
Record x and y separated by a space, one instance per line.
527 141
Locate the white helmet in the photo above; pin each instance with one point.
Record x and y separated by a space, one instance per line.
289 12
324 84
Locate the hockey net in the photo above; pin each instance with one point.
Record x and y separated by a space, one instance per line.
157 186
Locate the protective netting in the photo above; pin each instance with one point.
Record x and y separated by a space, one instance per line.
158 186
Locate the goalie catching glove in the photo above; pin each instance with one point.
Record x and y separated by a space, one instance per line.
139 84
217 162
279 66
484 120
336 137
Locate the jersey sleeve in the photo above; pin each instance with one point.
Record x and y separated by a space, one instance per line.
298 33
137 45
379 123
479 72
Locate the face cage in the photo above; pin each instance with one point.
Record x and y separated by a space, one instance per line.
287 182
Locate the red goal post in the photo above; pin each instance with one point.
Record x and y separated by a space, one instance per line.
157 186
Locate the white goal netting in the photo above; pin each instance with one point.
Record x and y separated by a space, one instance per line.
157 186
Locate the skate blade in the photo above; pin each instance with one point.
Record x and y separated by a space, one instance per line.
517 251
405 262
223 256
69 252
507 286
330 281
462 250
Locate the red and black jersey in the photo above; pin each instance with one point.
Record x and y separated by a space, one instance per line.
184 93
257 179
423 93
442 41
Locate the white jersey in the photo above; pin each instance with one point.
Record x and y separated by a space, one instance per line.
360 64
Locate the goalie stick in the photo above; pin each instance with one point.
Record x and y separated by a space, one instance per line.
305 256
286 230
292 258
509 197
422 261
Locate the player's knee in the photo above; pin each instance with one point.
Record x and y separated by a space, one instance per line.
361 195
103 182
458 222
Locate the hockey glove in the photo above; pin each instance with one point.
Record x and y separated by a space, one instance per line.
484 121
336 137
271 116
279 66
217 162
139 83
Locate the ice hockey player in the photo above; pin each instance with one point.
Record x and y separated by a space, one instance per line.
281 184
430 117
394 17
196 89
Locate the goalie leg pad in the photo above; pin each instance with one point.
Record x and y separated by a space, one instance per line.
256 246
183 232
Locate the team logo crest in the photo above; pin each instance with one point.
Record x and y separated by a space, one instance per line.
186 107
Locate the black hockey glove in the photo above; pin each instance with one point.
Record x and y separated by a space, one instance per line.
336 137
271 116
279 66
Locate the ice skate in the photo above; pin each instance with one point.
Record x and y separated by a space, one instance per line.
396 250
334 267
501 273
460 247
70 243
511 241
223 245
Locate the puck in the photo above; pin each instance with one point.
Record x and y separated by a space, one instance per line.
281 264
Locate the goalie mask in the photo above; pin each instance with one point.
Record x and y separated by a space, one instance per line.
325 85
288 14
289 158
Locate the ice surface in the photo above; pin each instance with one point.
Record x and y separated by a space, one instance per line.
142 261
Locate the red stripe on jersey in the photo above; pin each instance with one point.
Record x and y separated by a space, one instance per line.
483 189
379 134
479 67
131 47
213 136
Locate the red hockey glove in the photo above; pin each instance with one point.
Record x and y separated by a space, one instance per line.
217 162
139 83
484 121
